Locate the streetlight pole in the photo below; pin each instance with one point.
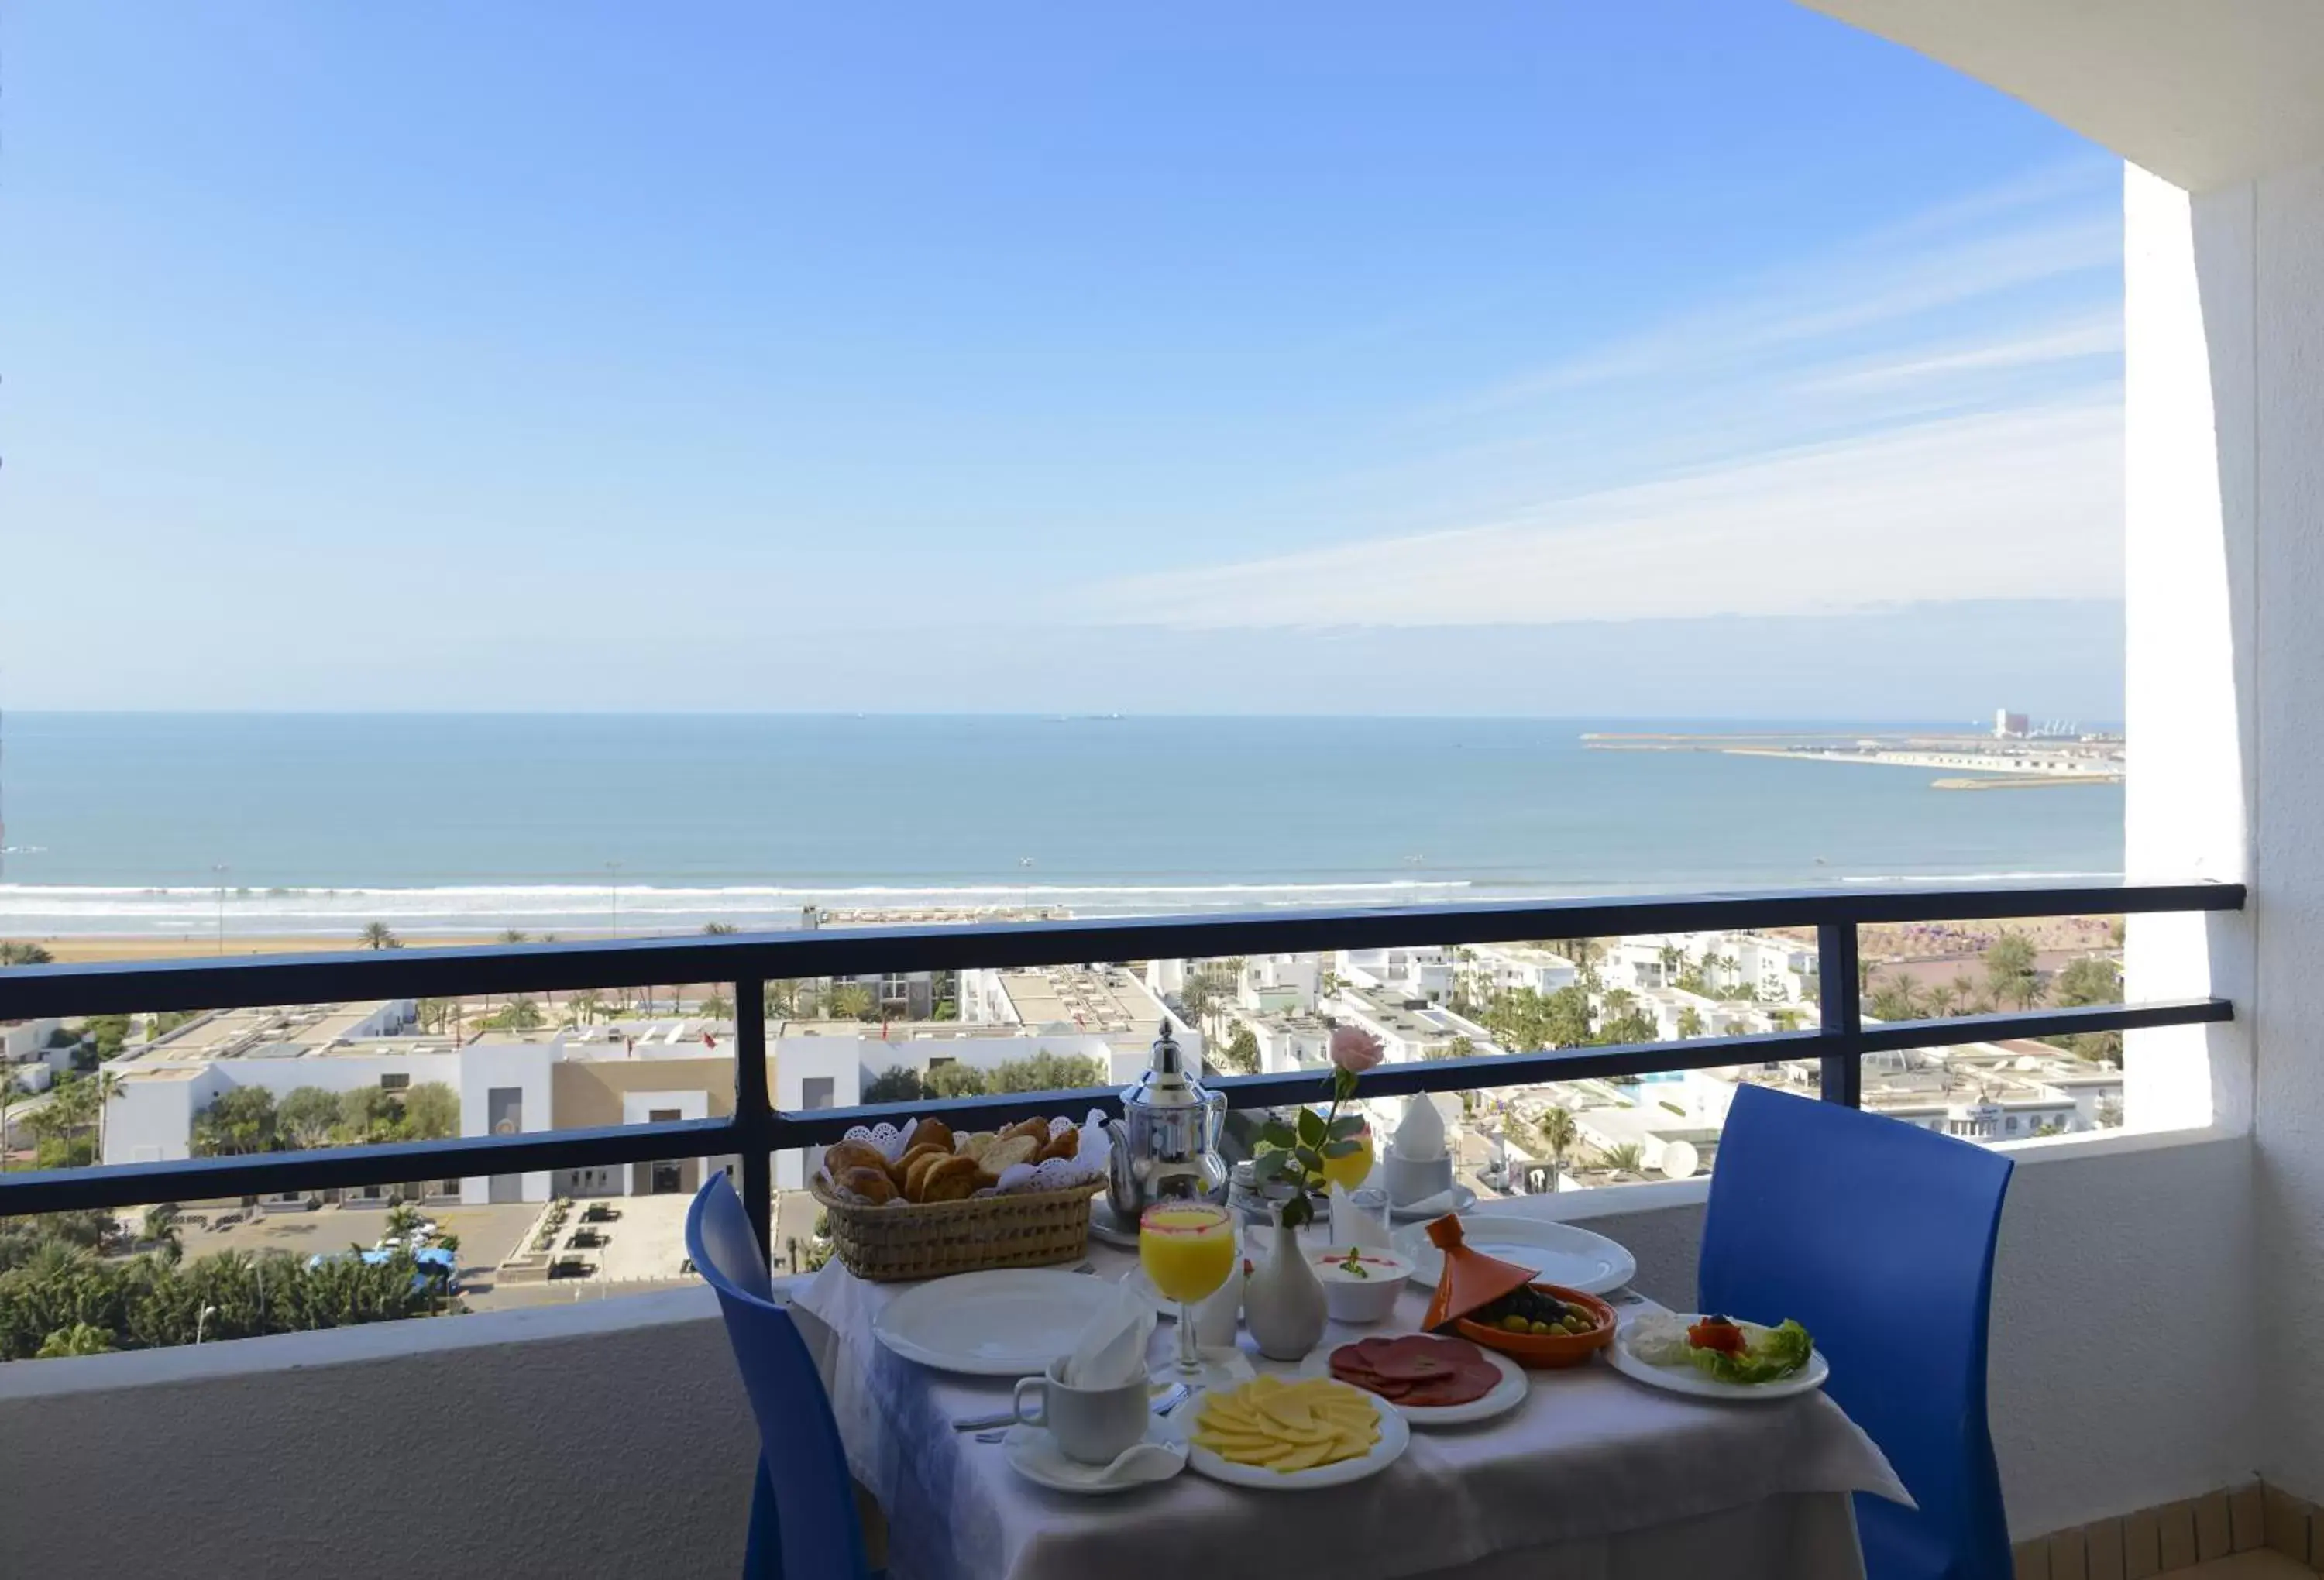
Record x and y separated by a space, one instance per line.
219 871
206 1313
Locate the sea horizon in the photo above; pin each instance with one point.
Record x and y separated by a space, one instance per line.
314 824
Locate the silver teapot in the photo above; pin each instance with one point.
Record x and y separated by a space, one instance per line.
1166 1144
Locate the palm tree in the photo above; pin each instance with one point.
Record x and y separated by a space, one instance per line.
717 1006
719 929
105 1085
23 954
379 935
1558 1134
515 935
1625 1159
1690 1022
1942 996
583 1008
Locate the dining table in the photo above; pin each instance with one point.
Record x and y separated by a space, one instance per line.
1593 1476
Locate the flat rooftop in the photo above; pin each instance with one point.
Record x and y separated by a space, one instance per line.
1105 1001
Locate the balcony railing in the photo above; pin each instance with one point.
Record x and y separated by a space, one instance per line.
757 1129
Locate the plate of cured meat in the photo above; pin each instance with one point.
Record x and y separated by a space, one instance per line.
1433 1382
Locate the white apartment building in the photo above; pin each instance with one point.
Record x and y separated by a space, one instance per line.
1402 973
24 1040
1487 969
1280 984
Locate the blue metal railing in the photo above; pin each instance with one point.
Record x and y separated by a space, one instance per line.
757 1129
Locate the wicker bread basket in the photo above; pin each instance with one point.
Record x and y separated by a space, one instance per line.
903 1240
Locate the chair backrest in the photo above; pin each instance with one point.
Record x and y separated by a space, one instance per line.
1879 1236
814 1532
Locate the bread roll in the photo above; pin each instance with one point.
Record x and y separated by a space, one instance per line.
915 1178
1007 1152
948 1179
1036 1130
870 1184
1066 1144
931 1133
900 1170
842 1156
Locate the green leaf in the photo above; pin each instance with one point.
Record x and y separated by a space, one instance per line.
1309 1159
1297 1211
1310 1128
1346 1125
1276 1132
1270 1166
1341 1149
1343 1083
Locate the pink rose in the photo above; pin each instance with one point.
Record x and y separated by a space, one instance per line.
1354 1049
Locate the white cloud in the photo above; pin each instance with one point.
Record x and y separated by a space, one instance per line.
2017 504
2097 335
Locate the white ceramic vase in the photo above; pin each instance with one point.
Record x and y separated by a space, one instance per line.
1283 1300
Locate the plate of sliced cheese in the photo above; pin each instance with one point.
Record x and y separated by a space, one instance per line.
1283 1436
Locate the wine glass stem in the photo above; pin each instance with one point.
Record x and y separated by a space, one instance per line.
1190 1357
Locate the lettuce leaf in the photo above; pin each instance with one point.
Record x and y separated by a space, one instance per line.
1768 1354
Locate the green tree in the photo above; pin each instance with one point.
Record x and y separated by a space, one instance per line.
104 1086
1897 998
1626 1158
850 1001
239 1121
2092 980
518 1014
367 1114
515 935
1942 997
160 1223
899 1083
379 935
717 1006
431 1112
1046 1071
437 1015
720 928
1559 1135
305 1116
105 1034
1630 1026
402 1219
954 1079
1239 1056
23 954
2009 973
79 1339
584 1008
1690 1022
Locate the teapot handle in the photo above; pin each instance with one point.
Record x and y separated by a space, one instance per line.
1214 1106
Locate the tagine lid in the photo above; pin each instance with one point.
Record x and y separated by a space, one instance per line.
1471 1279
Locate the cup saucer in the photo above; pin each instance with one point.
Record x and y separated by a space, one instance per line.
1034 1455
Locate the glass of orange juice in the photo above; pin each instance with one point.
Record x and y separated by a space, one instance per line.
1188 1250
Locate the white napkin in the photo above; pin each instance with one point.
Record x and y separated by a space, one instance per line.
1435 1206
1353 1225
1420 1136
1111 1348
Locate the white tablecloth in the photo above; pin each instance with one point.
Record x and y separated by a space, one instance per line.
1594 1478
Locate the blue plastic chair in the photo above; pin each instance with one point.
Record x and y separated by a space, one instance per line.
1878 1235
803 1520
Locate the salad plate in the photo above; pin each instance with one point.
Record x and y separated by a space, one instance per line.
1553 1252
1007 1322
1686 1377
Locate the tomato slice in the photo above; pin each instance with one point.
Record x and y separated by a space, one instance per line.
1716 1333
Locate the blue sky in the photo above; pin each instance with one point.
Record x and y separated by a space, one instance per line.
1555 358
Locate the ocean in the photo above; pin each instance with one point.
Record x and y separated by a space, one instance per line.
119 824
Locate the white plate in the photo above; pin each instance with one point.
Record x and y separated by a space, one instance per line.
1034 1455
1395 1436
1559 1253
1009 1322
1463 1198
1504 1397
1696 1384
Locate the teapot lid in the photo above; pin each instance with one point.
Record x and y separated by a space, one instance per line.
1165 1083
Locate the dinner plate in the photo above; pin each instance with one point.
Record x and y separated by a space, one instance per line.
1007 1322
1558 1252
1395 1437
1697 1384
1463 1198
1503 1397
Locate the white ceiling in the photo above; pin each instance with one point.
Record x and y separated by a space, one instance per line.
2201 92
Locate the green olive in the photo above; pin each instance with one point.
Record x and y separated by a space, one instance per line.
1513 1324
1540 1327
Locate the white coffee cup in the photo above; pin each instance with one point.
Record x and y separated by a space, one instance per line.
1092 1425
1410 1180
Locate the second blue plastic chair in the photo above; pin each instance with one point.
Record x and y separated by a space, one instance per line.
1879 1237
803 1520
